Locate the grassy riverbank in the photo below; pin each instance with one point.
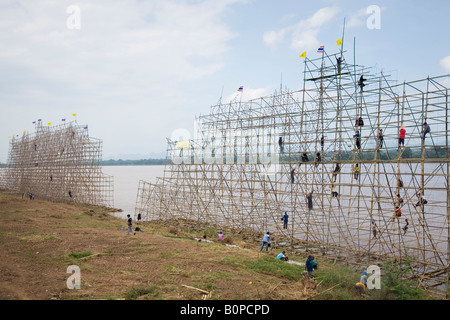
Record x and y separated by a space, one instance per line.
40 239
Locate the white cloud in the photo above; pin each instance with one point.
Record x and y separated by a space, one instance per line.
357 19
304 33
273 38
121 42
445 63
123 68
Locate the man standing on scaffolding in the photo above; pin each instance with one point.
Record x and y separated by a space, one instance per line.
361 82
401 138
380 138
357 135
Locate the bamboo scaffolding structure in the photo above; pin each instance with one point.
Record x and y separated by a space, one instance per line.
236 175
58 163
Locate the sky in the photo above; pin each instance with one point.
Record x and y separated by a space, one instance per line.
138 71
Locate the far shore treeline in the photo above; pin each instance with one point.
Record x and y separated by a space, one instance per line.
141 162
435 152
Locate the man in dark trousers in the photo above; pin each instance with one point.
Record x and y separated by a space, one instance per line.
361 82
280 144
130 225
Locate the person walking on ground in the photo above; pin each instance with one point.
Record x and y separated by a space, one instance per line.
130 225
285 220
220 236
401 137
310 265
265 243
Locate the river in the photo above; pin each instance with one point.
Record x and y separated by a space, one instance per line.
126 181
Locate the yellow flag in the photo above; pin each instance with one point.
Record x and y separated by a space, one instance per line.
24 132
303 55
9 137
339 42
74 114
49 123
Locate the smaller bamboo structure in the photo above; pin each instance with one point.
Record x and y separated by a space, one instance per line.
58 163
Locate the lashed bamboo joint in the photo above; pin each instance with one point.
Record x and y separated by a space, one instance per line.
58 163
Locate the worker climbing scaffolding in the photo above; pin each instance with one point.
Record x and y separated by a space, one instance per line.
361 83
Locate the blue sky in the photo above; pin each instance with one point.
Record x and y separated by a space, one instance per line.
136 71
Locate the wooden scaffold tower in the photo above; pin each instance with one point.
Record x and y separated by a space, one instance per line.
349 157
58 163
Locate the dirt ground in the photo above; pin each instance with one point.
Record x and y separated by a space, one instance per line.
40 240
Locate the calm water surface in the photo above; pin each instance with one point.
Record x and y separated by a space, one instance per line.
126 181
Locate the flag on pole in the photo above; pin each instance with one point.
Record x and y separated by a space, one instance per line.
24 132
339 42
303 55
320 50
49 123
39 120
63 119
9 137
85 127
74 114
241 88
34 122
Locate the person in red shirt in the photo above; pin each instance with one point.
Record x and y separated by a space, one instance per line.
401 138
397 213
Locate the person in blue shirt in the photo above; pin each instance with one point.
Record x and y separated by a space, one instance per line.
357 135
282 256
265 243
285 220
310 265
